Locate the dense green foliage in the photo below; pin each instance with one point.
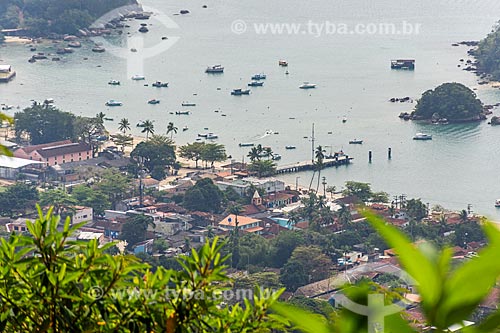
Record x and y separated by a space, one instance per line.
74 286
18 199
488 54
41 17
155 155
43 123
205 152
135 228
204 196
452 101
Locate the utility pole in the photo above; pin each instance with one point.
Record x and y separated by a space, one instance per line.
312 143
297 183
324 186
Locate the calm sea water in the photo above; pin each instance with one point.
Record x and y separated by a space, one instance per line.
459 167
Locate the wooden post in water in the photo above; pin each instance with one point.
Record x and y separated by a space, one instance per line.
389 153
370 156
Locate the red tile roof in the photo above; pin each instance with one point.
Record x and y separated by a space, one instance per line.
29 149
63 149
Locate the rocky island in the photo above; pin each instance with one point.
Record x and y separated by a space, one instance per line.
448 103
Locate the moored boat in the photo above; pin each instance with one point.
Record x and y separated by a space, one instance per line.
114 83
212 136
182 112
185 128
239 92
422 137
259 77
307 85
497 203
159 84
98 49
356 142
154 101
246 144
283 63
188 104
256 84
138 77
276 157
290 147
112 102
75 44
143 29
215 69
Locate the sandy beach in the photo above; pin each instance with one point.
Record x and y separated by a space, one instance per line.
17 40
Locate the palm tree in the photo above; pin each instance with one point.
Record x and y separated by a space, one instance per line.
319 154
148 128
331 189
171 129
267 152
254 154
344 216
124 125
464 216
100 117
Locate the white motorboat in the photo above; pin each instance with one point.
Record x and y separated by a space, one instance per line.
422 137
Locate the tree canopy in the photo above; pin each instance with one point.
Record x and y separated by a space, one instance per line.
488 54
43 123
452 101
204 196
155 155
42 17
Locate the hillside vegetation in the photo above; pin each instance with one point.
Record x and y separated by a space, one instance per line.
488 54
42 17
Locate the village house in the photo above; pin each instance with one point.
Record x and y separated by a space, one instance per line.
55 153
82 214
245 223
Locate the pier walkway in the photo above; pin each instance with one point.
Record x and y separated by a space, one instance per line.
309 165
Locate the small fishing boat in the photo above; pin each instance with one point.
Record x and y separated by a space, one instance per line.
182 113
68 50
307 85
143 29
48 101
75 44
138 77
215 69
202 135
497 203
246 144
256 84
185 128
290 147
276 157
108 119
154 101
239 92
344 120
212 136
287 72
259 77
283 63
98 49
114 83
184 11
188 104
112 102
356 142
159 84
422 137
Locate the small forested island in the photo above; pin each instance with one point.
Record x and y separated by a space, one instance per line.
449 102
41 18
487 55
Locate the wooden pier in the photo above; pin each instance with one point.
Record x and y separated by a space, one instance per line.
309 165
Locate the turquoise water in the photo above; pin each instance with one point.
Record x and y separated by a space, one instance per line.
352 72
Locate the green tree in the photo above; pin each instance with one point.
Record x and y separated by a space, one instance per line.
114 185
213 152
452 101
360 190
147 127
59 199
382 197
91 197
155 155
18 199
171 129
204 196
192 151
487 54
263 168
416 209
124 125
43 124
123 140
283 246
135 228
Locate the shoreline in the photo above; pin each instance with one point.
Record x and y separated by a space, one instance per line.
17 40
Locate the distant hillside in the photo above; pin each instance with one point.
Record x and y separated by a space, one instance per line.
43 17
488 54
